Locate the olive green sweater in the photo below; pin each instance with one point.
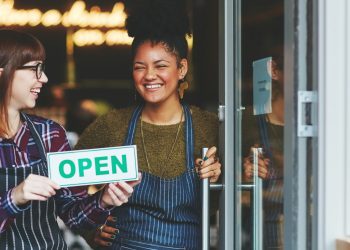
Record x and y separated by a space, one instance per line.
110 130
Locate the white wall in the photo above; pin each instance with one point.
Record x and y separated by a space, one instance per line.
334 122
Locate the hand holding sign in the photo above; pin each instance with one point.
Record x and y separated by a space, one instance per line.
114 165
116 194
93 166
34 187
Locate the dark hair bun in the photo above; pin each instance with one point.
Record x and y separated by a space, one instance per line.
157 18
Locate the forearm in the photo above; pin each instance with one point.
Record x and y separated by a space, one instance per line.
78 210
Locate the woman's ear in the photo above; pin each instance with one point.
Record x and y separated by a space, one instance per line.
183 68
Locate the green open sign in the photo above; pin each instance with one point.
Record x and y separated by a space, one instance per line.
93 166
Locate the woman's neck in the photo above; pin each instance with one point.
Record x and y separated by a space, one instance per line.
14 122
277 115
162 114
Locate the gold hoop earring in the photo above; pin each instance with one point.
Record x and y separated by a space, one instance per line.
182 87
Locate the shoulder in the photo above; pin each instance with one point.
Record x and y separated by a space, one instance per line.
107 130
118 114
44 124
114 118
202 116
52 133
205 126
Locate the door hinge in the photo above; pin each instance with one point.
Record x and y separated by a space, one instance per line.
306 113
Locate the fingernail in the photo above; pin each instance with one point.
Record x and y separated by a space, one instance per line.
200 162
112 237
205 158
114 219
109 244
116 231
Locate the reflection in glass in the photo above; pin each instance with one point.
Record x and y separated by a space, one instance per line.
263 118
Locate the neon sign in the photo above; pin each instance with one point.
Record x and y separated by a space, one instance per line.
89 21
77 16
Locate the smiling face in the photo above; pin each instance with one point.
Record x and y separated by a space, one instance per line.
156 73
26 87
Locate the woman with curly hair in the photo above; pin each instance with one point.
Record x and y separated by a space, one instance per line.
164 211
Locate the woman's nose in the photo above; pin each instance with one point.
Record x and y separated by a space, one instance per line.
43 78
151 74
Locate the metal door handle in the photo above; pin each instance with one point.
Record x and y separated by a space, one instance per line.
257 202
256 199
205 192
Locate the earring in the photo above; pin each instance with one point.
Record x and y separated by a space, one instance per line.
182 87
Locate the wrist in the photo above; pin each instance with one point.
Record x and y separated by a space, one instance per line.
16 197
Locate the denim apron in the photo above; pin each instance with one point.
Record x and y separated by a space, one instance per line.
162 213
36 227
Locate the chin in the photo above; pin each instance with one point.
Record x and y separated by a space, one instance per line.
30 105
152 99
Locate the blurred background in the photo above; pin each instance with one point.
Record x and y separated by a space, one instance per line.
89 59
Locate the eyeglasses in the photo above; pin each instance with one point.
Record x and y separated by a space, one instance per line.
39 69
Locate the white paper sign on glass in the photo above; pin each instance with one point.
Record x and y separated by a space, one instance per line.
262 86
93 166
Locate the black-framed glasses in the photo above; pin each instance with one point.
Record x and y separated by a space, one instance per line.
39 69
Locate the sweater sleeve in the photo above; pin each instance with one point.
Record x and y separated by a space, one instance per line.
8 210
206 125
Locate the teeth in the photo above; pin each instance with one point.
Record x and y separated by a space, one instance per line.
35 90
152 86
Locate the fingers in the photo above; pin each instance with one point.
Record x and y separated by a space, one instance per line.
105 234
209 167
134 183
211 151
212 171
248 168
34 187
116 194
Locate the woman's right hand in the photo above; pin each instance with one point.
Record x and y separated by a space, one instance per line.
248 167
105 234
34 187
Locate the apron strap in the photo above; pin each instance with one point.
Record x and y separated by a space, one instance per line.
129 139
37 138
189 137
188 132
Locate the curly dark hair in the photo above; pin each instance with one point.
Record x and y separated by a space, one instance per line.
159 21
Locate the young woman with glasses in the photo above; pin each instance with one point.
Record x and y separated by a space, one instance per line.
165 209
29 201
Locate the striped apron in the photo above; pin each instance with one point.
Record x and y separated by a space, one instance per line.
36 227
162 213
273 195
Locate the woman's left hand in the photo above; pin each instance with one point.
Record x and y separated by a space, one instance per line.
209 167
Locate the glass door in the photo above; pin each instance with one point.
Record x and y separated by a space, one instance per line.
262 125
267 108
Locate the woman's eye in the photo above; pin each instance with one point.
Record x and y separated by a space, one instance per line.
138 68
161 66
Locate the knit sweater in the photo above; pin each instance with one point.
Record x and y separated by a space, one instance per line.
110 130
